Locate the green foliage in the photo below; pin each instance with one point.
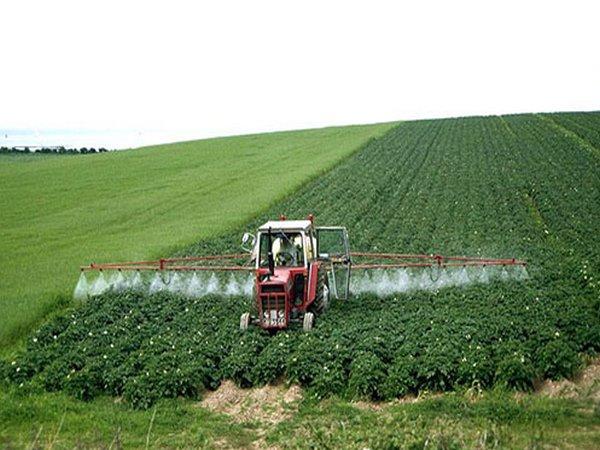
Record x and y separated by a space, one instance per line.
476 367
271 363
331 379
558 359
238 364
367 374
515 371
401 377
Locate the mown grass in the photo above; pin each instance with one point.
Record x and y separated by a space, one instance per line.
62 212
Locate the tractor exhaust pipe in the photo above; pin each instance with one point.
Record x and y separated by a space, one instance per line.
270 254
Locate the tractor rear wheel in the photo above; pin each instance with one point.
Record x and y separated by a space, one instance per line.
322 298
244 321
308 321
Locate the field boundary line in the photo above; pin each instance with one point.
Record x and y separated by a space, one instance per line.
578 139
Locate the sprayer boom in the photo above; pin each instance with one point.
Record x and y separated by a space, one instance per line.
401 260
190 263
293 269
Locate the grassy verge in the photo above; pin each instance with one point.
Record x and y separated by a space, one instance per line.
59 213
452 421
496 419
54 420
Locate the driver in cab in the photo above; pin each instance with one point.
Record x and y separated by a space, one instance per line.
288 251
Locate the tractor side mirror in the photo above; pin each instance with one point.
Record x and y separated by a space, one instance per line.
248 241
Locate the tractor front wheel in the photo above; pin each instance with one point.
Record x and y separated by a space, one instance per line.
244 321
308 321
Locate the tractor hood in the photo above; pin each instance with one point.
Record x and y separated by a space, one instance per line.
282 275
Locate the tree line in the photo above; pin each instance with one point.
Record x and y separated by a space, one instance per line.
60 150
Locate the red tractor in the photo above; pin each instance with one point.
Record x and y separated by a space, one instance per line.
299 268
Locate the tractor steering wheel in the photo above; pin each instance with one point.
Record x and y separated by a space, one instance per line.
284 258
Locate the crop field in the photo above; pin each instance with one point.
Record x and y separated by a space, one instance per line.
59 212
523 186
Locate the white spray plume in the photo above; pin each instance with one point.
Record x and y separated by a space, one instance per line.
383 282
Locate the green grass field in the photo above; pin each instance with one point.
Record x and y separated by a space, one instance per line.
525 185
62 212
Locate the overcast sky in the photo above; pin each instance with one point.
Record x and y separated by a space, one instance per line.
231 67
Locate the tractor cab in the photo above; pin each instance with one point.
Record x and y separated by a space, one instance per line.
299 268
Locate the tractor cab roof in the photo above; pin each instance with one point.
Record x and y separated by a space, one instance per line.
302 225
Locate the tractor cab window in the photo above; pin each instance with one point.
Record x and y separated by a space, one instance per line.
287 249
